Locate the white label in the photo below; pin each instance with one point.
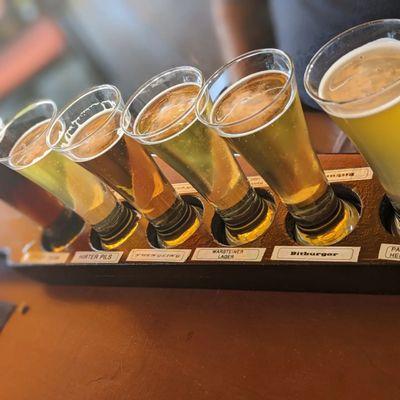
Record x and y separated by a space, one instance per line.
257 181
96 257
159 255
184 188
389 252
254 254
39 257
333 175
349 174
321 254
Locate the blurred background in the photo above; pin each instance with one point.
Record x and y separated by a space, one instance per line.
56 49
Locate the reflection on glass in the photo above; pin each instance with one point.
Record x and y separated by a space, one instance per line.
161 116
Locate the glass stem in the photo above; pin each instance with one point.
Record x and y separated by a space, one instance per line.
319 214
246 214
118 224
175 221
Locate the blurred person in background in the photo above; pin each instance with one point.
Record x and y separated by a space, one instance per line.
58 48
299 27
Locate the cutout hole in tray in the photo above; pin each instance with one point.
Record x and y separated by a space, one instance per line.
194 201
343 192
51 239
218 225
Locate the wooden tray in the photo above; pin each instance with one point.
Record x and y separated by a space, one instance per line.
368 274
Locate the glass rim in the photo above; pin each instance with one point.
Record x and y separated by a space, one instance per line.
222 69
19 114
54 146
143 136
310 66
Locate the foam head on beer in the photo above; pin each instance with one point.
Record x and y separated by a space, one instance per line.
364 77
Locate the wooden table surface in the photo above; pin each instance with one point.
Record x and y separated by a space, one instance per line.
131 343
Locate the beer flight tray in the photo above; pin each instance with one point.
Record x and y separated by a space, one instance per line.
367 261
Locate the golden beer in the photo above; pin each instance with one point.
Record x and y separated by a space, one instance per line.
198 153
168 126
92 137
258 111
285 142
124 165
370 73
75 187
24 145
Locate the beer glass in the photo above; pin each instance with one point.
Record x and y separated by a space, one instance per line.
161 116
23 148
91 135
253 103
60 225
355 78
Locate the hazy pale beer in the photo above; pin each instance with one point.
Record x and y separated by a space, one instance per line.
257 109
167 124
359 86
23 148
60 225
91 136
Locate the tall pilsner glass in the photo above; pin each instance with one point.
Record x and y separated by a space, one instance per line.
161 116
91 136
23 148
355 78
253 103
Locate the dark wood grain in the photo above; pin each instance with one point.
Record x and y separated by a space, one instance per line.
128 343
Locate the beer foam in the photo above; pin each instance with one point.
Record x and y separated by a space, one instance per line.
239 110
366 70
31 147
162 115
94 136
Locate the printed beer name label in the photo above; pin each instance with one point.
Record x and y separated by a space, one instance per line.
184 188
349 174
389 252
257 181
333 175
320 254
159 255
96 257
41 257
254 254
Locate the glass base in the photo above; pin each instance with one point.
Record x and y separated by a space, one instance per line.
118 228
177 225
340 226
190 227
248 220
236 239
